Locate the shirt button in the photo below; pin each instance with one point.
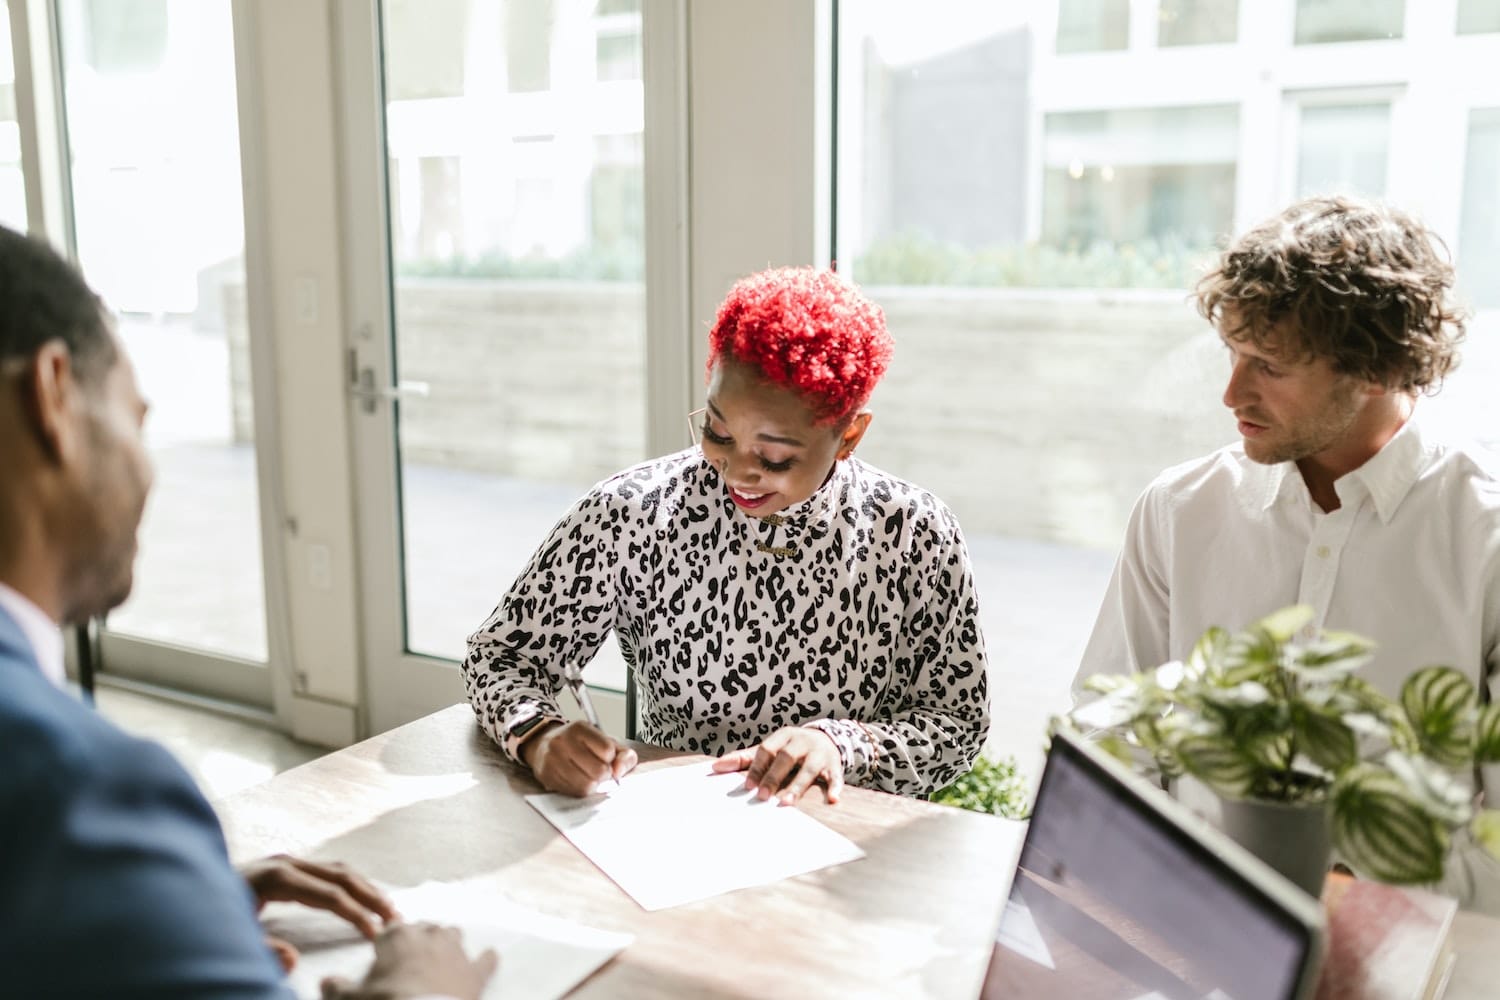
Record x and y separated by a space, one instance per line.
1322 552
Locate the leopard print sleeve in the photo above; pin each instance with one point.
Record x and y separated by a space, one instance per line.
939 716
853 611
558 612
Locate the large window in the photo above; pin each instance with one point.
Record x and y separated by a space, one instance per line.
1478 16
1142 193
1343 148
152 130
1479 233
1092 25
1032 214
12 183
514 141
1321 21
1197 22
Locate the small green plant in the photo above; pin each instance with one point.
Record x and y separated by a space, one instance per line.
1262 714
620 262
991 786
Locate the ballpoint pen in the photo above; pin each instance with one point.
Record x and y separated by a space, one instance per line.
574 675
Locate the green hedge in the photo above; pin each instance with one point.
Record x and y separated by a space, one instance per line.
991 786
912 259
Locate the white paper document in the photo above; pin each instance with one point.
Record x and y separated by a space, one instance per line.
680 834
541 957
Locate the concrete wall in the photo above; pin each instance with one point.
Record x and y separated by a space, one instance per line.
1043 414
1034 414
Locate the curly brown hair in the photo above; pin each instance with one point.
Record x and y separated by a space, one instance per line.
1357 282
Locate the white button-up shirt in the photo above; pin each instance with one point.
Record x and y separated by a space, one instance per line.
41 631
1411 559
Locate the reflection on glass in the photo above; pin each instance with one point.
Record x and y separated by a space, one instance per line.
153 133
1478 16
1092 25
1031 223
12 182
514 138
1348 20
1197 22
1342 148
1159 181
1479 235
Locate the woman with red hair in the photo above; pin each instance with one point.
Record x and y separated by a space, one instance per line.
783 606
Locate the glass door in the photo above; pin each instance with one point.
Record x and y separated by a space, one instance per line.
499 366
152 132
12 180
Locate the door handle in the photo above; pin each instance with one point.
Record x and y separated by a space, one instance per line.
369 394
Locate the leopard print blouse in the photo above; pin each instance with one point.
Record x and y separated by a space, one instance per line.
853 612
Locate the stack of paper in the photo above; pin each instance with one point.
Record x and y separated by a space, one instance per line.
680 834
541 957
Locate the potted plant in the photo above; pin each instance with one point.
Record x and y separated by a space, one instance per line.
1264 716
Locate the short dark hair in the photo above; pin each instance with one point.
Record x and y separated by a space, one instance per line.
1354 281
44 298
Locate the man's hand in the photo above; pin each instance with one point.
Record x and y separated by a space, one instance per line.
415 960
331 887
575 757
787 763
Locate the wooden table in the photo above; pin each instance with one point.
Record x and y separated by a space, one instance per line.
435 799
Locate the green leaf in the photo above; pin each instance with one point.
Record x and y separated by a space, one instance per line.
1218 763
1325 738
1382 832
1109 683
1487 735
990 786
1168 675
1331 657
1281 626
1440 703
1432 787
1208 653
1486 831
1272 751
1120 706
1243 695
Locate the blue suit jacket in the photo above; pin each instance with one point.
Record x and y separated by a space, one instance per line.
114 878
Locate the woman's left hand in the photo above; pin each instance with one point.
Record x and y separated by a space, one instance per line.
787 763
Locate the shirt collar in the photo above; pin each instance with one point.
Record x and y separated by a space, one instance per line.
41 631
1390 475
1387 477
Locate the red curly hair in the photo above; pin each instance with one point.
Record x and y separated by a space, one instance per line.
807 330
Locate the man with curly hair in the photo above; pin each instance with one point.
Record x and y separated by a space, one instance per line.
1336 315
799 614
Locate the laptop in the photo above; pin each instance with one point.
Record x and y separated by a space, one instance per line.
1120 892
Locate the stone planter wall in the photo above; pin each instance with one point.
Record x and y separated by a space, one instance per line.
1034 414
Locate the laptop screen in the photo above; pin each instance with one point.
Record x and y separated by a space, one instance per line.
1120 894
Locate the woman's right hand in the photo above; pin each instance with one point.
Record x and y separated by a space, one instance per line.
575 757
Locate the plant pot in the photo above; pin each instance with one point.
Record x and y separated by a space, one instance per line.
1296 839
